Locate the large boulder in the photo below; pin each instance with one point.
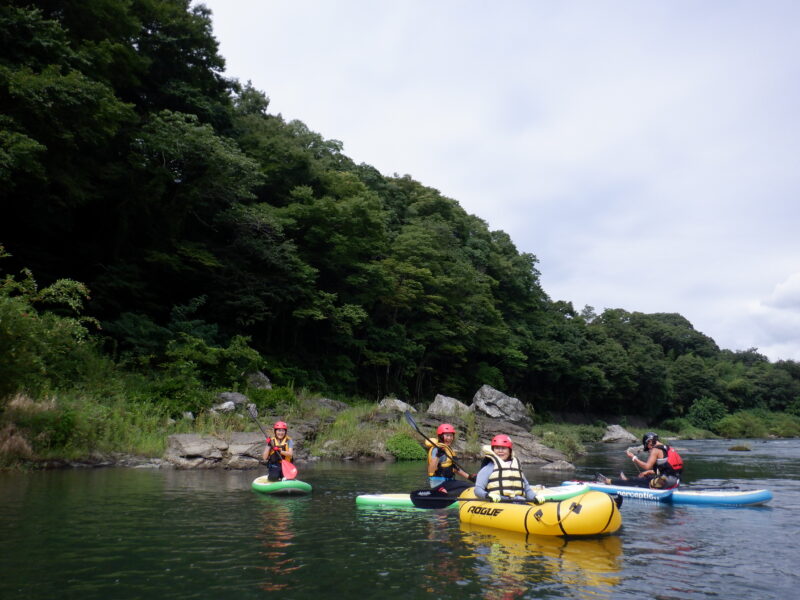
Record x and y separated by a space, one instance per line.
192 451
235 397
390 404
258 381
333 405
497 405
445 406
617 433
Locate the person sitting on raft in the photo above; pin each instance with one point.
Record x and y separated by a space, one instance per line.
501 477
278 448
661 470
442 469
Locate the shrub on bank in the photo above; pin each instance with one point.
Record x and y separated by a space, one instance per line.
758 424
568 439
404 447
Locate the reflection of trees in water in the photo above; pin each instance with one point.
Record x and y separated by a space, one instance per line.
277 528
511 564
443 566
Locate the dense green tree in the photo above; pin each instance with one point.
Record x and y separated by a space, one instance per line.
208 229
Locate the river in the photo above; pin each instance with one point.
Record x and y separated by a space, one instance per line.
161 533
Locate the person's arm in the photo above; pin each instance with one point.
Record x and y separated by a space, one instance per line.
482 480
289 452
463 474
530 493
433 461
650 463
267 449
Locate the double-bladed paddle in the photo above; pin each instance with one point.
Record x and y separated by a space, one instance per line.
433 498
288 469
413 424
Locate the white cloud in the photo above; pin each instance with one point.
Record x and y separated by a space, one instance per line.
644 152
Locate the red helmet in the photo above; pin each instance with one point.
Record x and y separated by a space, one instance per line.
502 440
280 425
445 428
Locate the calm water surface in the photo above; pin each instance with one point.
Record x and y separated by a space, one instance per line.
137 533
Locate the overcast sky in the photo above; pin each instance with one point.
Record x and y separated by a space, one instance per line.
645 152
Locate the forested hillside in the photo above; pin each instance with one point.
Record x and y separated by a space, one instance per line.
206 227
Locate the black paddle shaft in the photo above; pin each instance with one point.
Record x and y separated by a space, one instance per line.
251 411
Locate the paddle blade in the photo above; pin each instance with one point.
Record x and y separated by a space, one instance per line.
410 420
288 469
431 499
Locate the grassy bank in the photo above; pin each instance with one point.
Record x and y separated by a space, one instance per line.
76 425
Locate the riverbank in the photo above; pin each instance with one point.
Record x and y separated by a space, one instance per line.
83 434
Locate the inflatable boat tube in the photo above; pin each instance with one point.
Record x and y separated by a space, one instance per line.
287 487
686 495
591 513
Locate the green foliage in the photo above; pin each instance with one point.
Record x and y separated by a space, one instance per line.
214 366
40 349
568 444
213 233
568 439
48 426
404 447
705 412
269 400
742 424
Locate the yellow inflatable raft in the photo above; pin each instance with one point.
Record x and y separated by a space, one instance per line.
590 513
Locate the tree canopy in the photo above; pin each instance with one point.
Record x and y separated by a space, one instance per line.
130 163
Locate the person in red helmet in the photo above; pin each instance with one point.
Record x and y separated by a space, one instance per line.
501 476
278 448
442 469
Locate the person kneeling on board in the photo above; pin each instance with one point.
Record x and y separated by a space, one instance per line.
278 448
442 468
501 477
661 470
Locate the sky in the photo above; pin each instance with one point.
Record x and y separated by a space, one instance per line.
645 152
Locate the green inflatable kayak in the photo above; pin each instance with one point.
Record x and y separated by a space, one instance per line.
287 487
404 500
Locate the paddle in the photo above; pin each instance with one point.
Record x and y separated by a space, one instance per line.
413 423
705 488
436 499
288 469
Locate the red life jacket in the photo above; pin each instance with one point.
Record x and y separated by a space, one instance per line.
674 459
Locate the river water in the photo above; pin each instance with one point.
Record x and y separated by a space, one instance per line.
159 533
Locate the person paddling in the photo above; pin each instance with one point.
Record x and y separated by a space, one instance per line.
661 470
442 469
278 448
501 477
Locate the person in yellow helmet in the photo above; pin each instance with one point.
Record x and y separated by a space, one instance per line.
442 469
501 477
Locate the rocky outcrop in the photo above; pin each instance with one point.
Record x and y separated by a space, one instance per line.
191 451
445 406
390 404
498 405
527 448
617 433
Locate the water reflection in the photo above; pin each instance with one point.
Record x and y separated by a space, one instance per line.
277 540
509 564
